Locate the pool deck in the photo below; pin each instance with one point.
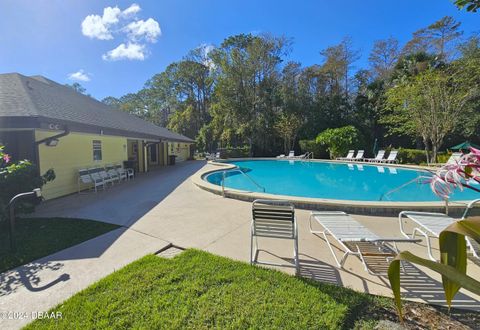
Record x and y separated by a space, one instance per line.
179 212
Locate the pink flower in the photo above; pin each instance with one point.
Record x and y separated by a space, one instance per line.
6 158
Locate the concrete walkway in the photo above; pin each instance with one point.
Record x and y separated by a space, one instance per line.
165 206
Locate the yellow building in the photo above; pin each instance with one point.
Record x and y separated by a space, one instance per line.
56 127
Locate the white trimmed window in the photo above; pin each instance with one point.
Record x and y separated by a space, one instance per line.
97 150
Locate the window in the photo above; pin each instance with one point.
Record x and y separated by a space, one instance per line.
97 150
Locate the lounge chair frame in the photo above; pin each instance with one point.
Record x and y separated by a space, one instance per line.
426 231
378 242
273 219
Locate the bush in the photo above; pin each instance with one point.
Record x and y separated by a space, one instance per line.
319 150
16 178
411 156
339 140
238 152
418 156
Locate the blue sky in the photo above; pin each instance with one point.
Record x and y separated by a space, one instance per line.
46 36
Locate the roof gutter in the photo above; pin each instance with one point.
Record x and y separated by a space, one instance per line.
54 137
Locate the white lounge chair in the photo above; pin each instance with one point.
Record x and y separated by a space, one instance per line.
103 174
392 157
428 223
84 178
349 155
112 173
122 173
378 157
273 219
359 155
281 156
454 158
291 154
355 239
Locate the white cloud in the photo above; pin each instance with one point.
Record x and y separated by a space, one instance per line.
114 22
133 9
149 29
96 26
80 75
131 51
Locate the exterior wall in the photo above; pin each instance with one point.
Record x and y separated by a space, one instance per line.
179 149
74 152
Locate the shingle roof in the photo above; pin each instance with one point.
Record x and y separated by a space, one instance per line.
41 98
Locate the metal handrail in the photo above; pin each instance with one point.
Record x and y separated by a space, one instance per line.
245 174
417 180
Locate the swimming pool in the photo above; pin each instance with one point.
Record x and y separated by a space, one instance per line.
328 180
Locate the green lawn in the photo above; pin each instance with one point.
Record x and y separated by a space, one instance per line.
39 237
197 290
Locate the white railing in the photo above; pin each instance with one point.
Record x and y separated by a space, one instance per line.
224 173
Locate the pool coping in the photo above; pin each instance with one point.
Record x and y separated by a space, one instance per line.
351 206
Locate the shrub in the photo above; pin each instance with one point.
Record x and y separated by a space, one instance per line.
339 140
238 152
16 178
319 150
418 156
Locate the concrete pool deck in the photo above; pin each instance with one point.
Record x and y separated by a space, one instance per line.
179 212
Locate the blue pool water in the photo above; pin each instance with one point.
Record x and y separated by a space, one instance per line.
332 181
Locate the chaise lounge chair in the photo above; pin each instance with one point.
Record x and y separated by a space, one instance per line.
355 239
454 159
273 219
359 155
433 224
349 156
378 157
392 157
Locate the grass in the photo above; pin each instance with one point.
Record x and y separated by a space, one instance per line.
197 290
39 237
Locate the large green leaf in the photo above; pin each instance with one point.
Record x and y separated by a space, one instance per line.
453 251
450 272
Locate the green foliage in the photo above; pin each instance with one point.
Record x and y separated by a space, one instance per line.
452 265
319 150
16 178
339 140
411 156
470 5
238 152
241 92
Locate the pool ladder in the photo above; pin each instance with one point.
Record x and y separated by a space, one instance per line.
308 156
245 174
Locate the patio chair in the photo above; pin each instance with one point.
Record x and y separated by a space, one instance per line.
122 173
378 157
112 172
281 156
454 159
359 155
84 178
273 219
349 156
355 239
392 157
428 223
97 180
291 154
103 174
